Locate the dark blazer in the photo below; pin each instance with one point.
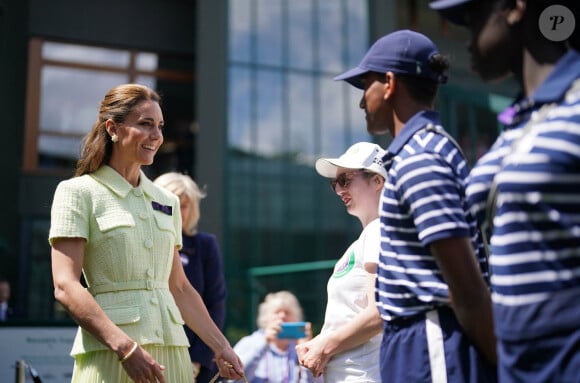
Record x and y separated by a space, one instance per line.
203 265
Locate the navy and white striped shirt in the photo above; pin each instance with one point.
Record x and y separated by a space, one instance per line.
535 261
481 177
423 201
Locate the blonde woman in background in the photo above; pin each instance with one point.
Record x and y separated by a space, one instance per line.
202 262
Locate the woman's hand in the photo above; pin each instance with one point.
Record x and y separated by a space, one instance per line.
273 327
312 356
229 364
142 368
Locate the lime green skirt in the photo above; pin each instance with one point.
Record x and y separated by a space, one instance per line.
104 366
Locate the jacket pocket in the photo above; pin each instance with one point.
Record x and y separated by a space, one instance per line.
175 315
164 222
123 315
109 222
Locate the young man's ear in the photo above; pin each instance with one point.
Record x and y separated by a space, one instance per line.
390 85
516 14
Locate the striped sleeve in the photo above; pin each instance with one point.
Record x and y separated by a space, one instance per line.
429 189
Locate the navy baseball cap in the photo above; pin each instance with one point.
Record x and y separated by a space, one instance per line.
452 10
401 52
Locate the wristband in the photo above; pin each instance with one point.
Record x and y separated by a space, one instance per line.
131 352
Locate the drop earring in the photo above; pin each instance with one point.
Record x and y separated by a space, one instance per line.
114 138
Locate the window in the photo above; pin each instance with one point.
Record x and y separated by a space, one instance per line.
285 111
67 81
283 56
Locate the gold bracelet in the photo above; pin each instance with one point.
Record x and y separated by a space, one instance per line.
131 352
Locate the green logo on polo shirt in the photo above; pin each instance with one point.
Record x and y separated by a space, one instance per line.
345 267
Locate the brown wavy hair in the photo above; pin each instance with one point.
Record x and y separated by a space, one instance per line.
117 104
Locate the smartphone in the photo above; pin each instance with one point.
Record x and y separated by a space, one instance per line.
292 330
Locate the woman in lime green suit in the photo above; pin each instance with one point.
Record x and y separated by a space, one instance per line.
111 223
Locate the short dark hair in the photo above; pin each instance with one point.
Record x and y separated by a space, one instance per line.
422 89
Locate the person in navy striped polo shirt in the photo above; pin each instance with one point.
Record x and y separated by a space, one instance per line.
432 289
534 168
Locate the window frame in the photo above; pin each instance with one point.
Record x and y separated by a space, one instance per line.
36 63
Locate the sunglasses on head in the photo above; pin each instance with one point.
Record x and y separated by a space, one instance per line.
344 179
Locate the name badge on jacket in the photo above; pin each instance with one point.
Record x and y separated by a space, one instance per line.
162 208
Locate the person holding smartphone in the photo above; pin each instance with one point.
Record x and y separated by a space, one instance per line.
348 346
267 354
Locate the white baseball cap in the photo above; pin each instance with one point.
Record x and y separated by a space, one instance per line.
362 155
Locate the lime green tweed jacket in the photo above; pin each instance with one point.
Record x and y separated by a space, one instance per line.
131 234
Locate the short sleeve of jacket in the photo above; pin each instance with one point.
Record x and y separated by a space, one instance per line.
69 213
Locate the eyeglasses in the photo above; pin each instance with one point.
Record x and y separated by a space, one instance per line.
344 179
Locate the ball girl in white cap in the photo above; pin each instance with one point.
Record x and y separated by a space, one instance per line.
347 349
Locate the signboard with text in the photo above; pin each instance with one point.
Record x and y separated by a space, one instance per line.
46 349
